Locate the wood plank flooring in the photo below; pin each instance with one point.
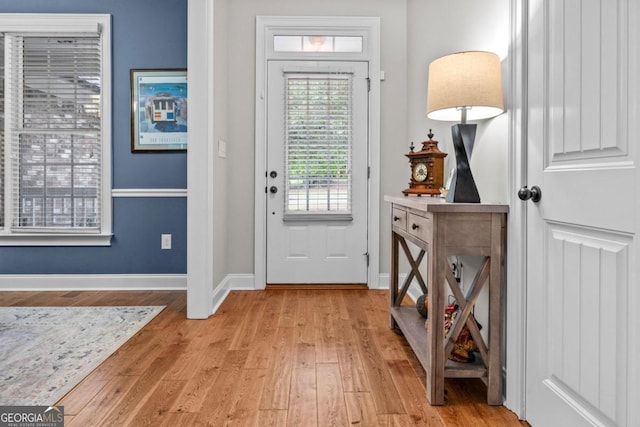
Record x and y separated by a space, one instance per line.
266 358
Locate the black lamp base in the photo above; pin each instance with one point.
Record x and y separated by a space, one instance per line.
463 187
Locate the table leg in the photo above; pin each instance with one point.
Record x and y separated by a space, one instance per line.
494 368
393 277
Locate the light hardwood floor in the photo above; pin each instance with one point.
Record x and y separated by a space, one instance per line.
266 358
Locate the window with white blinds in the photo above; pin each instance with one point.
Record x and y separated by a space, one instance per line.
53 143
2 131
318 127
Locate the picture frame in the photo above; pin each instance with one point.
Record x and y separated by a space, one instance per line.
158 110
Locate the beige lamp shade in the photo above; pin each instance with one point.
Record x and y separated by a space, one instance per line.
465 80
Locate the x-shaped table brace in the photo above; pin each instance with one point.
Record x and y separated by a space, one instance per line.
466 303
415 272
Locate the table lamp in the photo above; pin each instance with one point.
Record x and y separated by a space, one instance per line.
464 86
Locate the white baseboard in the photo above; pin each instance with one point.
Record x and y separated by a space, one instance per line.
231 282
92 282
383 282
414 290
241 282
220 293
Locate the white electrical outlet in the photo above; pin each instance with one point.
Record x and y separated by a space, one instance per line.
165 241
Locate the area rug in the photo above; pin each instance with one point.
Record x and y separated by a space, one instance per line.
46 351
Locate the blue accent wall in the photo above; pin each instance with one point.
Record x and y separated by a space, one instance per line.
146 34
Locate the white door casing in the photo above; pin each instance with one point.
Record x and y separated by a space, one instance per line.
314 235
369 29
582 263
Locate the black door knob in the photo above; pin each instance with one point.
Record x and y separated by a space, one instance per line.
273 174
535 194
273 189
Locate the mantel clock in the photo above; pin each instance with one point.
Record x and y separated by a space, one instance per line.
427 169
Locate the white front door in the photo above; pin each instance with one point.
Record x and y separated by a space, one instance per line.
317 151
583 330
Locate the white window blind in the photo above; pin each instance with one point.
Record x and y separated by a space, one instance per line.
2 131
318 151
53 89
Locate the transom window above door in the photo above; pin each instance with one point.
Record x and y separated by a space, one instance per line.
317 43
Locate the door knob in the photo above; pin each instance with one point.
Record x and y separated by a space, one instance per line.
273 189
535 194
273 174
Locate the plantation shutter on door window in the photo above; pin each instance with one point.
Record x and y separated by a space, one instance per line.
54 132
318 132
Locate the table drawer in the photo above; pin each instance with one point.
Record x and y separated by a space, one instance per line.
399 218
420 226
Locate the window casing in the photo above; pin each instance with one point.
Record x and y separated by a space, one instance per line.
55 144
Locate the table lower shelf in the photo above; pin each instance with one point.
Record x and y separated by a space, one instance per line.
411 324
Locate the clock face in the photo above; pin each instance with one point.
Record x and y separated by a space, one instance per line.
420 172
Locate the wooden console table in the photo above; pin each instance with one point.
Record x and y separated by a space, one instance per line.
440 230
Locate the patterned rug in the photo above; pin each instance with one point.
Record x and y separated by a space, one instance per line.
46 351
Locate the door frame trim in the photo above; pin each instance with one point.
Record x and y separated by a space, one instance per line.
516 305
200 214
266 25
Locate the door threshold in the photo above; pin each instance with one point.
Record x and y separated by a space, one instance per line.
317 286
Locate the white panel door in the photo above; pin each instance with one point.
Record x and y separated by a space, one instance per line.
582 270
317 150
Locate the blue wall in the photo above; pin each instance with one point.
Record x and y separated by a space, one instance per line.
137 222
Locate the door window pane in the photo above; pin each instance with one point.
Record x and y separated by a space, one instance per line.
318 141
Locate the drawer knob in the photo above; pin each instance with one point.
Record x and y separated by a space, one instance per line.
414 226
396 218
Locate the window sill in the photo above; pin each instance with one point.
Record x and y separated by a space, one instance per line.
55 239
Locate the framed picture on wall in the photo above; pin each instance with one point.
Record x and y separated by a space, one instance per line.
158 110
